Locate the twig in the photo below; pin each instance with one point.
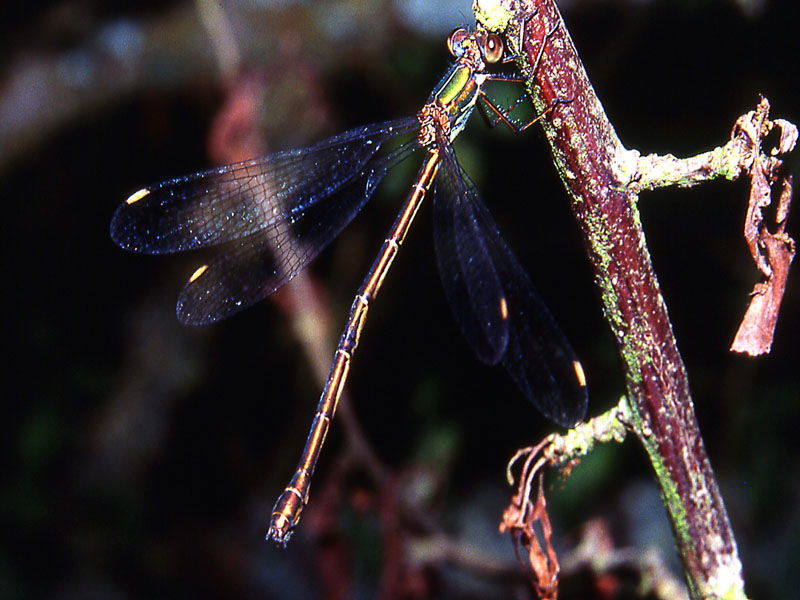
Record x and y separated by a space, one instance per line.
524 518
772 252
609 565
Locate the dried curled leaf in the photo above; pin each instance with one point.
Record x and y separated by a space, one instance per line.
771 251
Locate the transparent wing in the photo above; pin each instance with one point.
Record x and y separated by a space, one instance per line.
467 269
226 203
270 216
489 284
249 269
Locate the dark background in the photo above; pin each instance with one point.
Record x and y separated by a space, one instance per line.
142 458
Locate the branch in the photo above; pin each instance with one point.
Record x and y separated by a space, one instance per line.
772 252
603 179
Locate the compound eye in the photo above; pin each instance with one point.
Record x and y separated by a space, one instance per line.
493 48
455 41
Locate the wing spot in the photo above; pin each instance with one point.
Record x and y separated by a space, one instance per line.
198 273
136 196
578 368
503 308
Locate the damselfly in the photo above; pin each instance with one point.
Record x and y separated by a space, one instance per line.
271 216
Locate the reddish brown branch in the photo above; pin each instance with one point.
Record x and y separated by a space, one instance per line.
599 174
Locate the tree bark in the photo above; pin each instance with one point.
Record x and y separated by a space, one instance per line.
599 174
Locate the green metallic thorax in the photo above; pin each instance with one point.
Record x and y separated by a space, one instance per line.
456 95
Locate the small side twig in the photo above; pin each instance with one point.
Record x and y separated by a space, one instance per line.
526 518
744 154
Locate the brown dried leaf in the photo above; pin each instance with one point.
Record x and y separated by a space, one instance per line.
772 252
